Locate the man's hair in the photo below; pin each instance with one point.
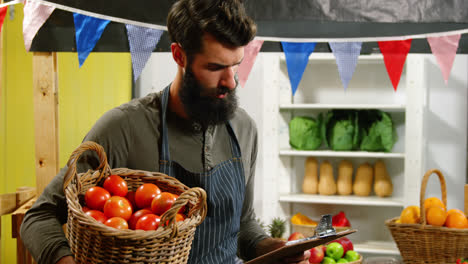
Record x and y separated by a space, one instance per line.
226 20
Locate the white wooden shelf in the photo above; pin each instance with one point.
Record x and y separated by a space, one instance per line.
383 107
377 247
332 153
341 199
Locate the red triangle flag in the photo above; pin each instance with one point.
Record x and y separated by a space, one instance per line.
3 11
394 53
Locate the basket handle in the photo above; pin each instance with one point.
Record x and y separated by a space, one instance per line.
443 188
85 146
191 194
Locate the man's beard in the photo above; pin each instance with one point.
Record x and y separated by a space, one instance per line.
202 105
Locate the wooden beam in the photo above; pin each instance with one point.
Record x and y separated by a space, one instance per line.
22 254
45 117
9 202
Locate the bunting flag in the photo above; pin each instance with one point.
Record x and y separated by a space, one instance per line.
346 55
250 54
394 53
3 11
88 31
297 56
142 42
35 15
444 49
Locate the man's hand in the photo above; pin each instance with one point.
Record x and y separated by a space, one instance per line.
66 260
270 244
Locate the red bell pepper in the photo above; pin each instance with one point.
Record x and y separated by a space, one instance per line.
340 220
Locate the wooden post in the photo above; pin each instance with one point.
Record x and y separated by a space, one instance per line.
45 117
9 202
22 254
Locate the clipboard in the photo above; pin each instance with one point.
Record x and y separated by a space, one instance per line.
297 248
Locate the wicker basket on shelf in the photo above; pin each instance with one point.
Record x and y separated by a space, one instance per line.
309 230
423 243
93 242
359 261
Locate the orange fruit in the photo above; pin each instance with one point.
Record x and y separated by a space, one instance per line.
453 211
456 219
436 216
433 201
410 215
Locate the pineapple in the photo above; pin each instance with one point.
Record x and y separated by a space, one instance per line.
261 224
277 227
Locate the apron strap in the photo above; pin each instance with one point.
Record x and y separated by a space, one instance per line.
165 155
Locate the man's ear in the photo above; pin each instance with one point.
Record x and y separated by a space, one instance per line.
178 54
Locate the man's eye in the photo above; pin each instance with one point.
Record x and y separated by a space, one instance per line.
215 68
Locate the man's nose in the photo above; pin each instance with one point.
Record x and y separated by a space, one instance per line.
229 77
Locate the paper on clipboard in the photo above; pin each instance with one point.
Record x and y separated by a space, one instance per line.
297 248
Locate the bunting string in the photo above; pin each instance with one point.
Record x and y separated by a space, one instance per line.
264 38
100 16
143 38
11 3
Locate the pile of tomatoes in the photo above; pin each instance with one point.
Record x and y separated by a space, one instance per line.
115 206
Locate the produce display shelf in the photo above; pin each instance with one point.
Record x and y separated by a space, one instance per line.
383 107
340 199
345 154
377 247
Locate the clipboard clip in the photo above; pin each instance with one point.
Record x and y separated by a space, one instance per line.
323 229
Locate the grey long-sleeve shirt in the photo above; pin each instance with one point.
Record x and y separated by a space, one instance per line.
130 135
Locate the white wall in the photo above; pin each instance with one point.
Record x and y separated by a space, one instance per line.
447 129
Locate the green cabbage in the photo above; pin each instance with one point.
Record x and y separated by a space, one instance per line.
340 130
304 133
379 134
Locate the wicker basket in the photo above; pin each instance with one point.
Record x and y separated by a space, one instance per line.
423 243
93 242
309 230
359 261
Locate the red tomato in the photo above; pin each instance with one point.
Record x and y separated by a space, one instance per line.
97 215
131 206
182 209
162 202
131 198
148 222
145 194
118 206
179 217
137 215
117 222
85 209
96 197
116 185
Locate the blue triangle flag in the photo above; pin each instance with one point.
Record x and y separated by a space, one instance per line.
142 42
88 31
346 55
297 57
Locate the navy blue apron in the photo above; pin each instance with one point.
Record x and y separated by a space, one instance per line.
215 239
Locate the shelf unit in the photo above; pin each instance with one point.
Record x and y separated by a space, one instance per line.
340 199
331 153
319 91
